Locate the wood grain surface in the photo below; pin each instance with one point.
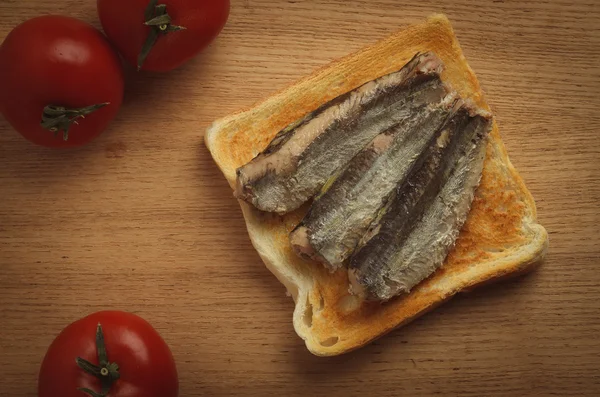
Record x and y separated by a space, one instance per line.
142 220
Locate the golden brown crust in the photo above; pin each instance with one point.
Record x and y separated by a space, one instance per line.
500 238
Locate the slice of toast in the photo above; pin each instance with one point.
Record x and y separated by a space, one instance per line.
500 237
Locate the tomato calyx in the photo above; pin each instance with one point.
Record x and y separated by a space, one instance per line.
107 372
59 118
159 20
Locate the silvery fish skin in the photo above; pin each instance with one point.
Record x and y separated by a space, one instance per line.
350 201
303 156
421 222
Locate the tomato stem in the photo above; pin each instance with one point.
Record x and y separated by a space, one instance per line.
59 118
107 372
159 20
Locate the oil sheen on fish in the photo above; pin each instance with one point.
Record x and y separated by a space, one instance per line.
420 223
300 159
350 201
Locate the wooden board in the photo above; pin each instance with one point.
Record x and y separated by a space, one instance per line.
142 220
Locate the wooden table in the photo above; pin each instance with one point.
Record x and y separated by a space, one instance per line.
142 220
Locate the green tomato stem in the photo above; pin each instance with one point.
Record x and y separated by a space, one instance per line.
159 21
107 372
59 118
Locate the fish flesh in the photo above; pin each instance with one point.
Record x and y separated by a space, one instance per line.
420 223
350 201
301 157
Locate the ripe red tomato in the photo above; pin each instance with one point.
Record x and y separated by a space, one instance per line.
136 363
170 31
64 72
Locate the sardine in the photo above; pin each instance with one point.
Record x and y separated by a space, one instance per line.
349 202
419 225
301 157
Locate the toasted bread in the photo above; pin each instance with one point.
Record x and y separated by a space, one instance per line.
500 238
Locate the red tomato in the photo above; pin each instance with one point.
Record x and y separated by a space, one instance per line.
178 29
65 68
138 362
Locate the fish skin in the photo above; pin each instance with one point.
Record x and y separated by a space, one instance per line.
350 201
298 160
420 224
